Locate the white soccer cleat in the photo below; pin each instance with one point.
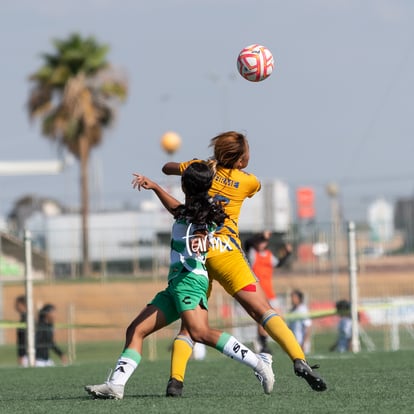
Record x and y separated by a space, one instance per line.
106 391
264 372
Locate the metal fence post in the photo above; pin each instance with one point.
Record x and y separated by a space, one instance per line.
30 320
353 288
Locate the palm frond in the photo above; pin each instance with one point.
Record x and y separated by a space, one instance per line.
60 76
50 59
96 60
72 130
39 100
52 124
42 75
114 89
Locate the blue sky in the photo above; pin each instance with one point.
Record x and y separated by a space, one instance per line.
338 106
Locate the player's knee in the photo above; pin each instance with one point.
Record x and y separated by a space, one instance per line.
255 303
130 330
199 334
135 330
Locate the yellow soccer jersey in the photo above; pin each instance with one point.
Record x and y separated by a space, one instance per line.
231 187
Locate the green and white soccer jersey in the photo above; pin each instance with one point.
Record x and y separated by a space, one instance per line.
187 278
189 245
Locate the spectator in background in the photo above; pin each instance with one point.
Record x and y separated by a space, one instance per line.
300 324
343 342
45 338
251 241
263 262
21 307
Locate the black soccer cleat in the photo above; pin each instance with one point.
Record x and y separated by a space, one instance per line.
302 369
174 388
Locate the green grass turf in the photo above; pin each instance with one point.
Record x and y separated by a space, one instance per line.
377 382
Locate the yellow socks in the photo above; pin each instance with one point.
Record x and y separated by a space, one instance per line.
181 352
276 327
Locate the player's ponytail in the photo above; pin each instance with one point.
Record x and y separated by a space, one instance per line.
212 163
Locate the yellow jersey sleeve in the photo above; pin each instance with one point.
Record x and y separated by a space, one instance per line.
185 164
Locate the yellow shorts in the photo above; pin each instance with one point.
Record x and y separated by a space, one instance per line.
231 270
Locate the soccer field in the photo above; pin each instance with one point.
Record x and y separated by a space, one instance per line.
379 382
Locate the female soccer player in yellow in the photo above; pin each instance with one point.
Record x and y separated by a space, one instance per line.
226 261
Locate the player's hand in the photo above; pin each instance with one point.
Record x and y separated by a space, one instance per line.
141 181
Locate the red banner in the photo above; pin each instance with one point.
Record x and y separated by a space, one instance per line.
305 202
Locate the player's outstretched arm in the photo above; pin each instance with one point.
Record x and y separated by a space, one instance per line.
171 168
167 200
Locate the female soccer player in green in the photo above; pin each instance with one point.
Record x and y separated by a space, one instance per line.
186 293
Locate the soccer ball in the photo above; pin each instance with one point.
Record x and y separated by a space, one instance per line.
255 63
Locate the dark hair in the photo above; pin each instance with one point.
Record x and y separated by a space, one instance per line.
299 294
45 310
253 241
21 299
199 207
343 306
197 179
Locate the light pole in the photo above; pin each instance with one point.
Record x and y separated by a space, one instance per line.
222 84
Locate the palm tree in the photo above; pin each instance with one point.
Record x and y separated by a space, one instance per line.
75 93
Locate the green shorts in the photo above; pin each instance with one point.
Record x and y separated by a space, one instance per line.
185 292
